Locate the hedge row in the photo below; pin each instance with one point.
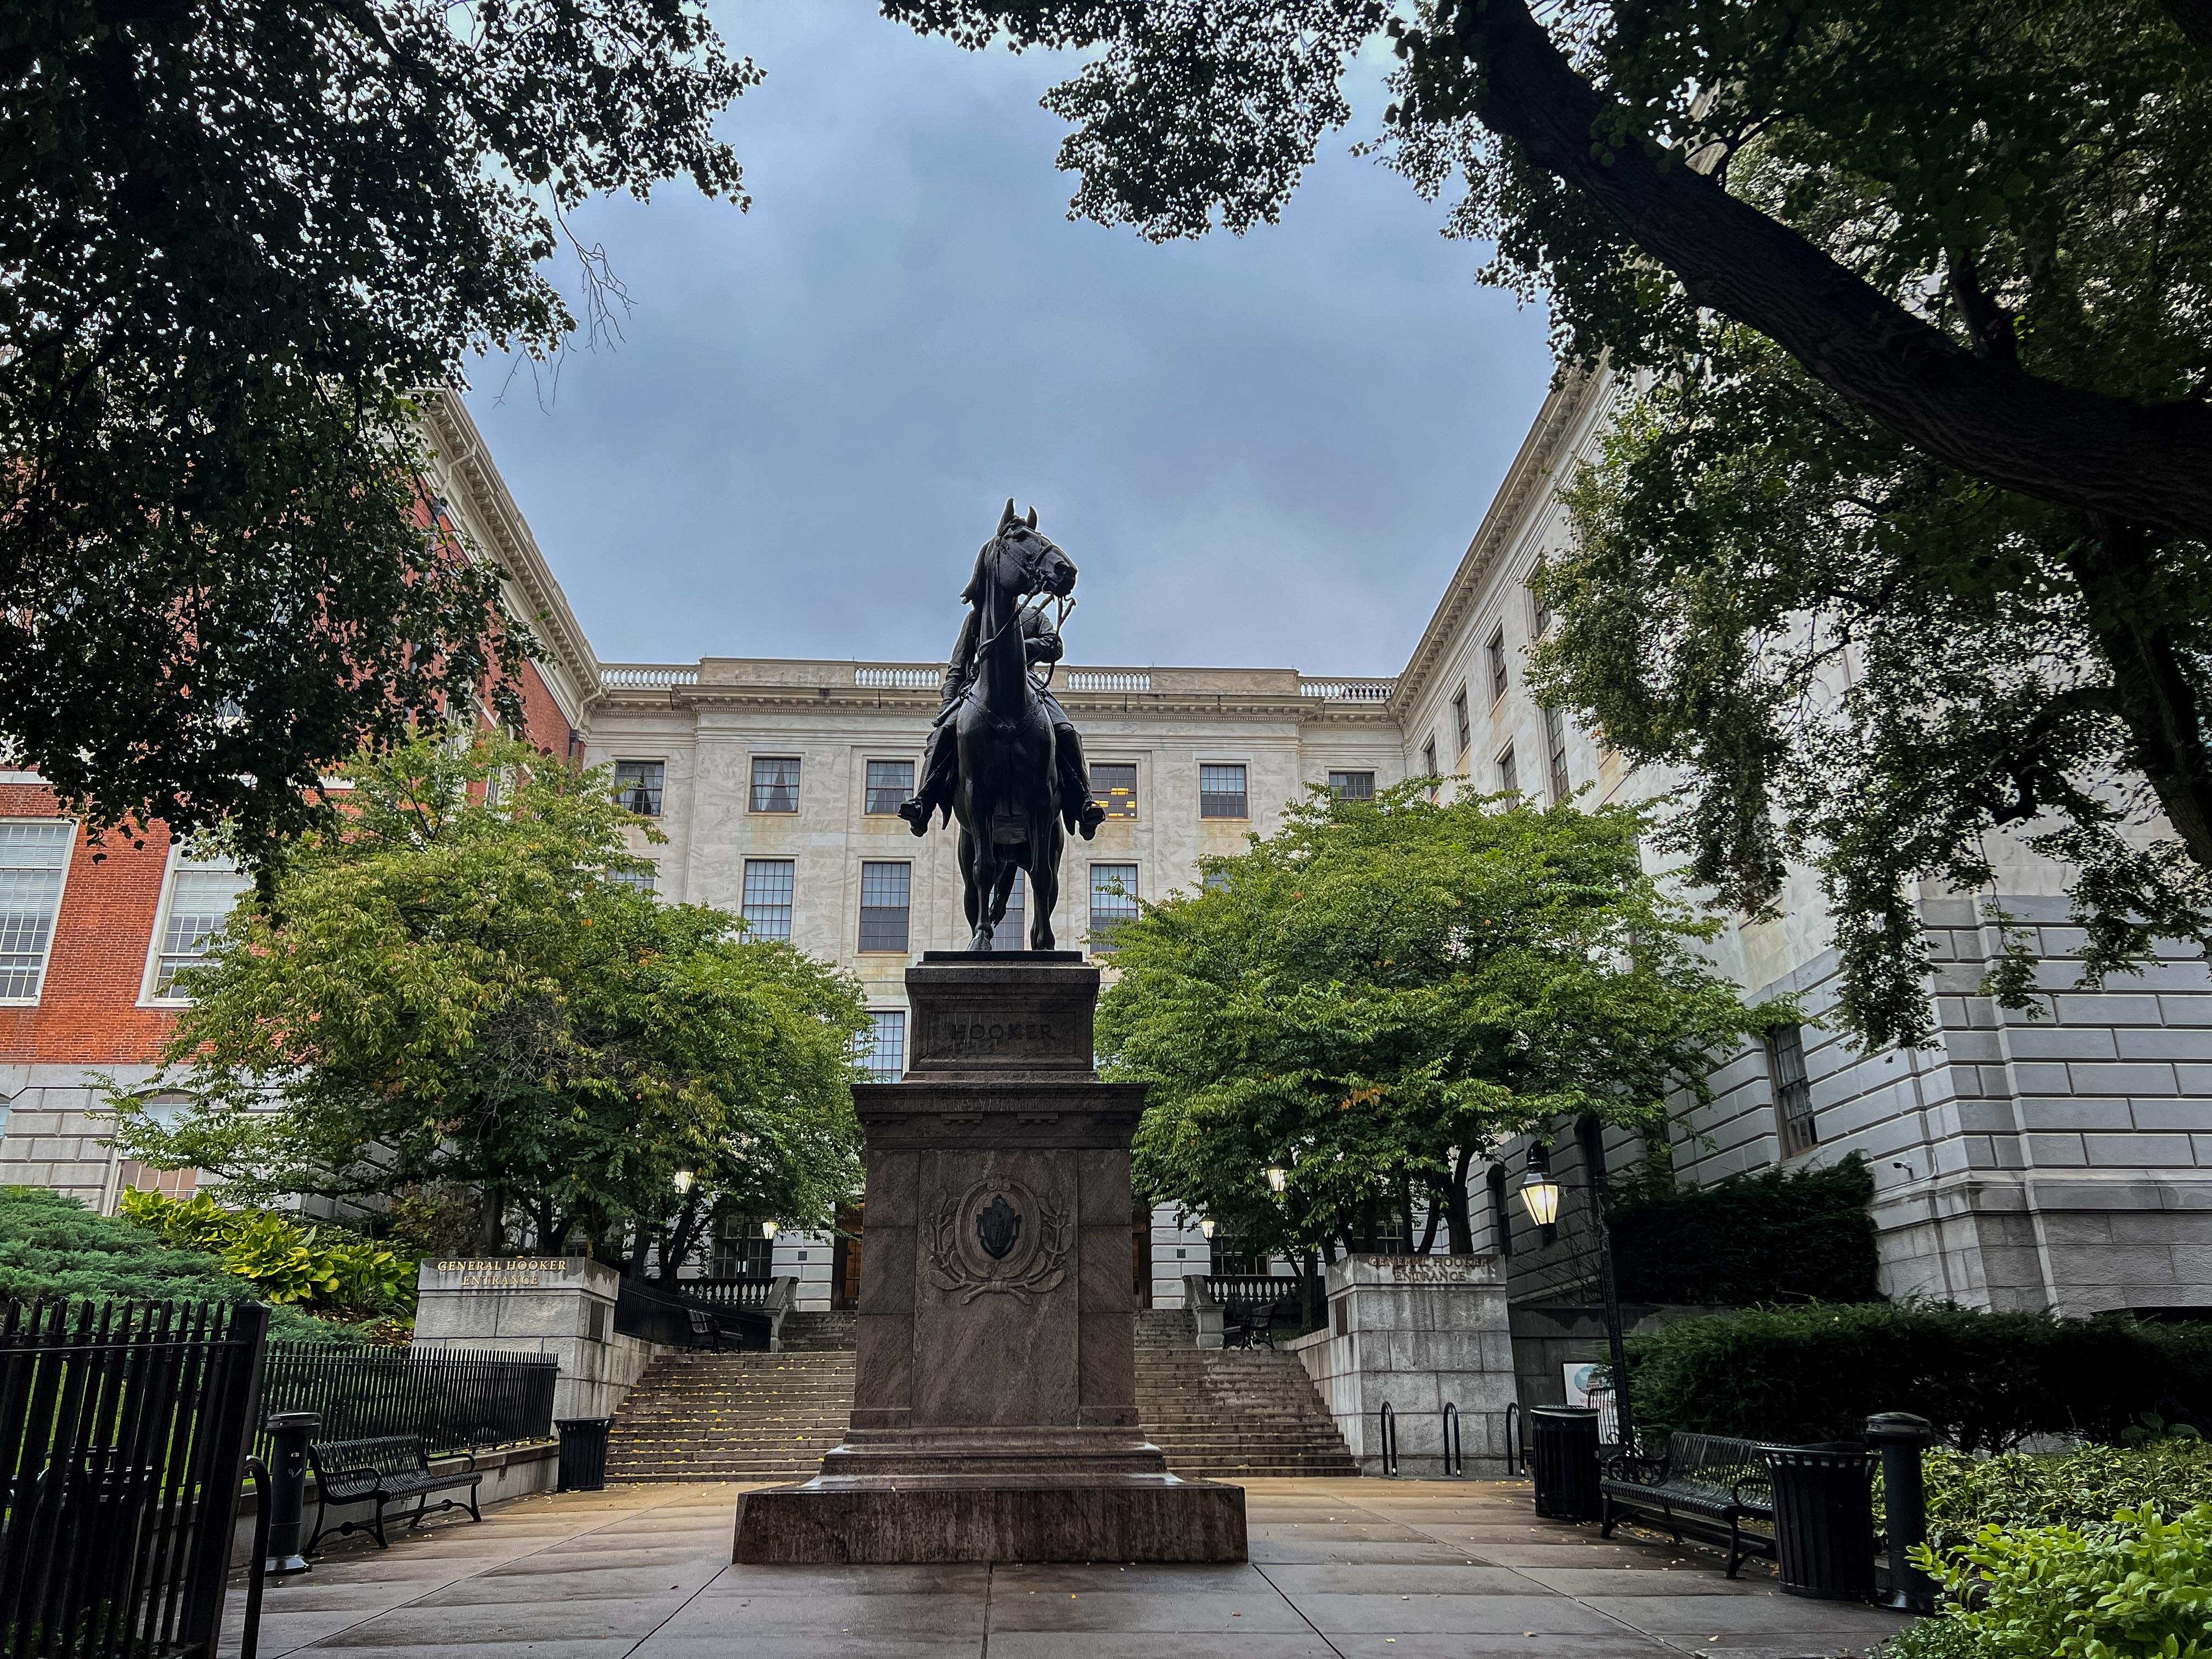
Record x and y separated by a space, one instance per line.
1778 1236
1987 1381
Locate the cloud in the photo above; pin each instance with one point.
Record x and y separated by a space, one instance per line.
1269 450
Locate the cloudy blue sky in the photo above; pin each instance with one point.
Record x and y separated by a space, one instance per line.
1264 451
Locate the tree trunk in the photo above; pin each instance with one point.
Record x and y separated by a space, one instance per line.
491 1222
1462 1221
1437 1207
2133 624
2056 443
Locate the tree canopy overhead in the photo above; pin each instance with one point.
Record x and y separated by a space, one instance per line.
1927 291
447 993
235 237
1375 994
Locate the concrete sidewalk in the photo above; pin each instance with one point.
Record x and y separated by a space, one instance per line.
1340 1570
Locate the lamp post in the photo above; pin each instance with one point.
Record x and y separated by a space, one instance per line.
1205 1225
768 1229
1539 1196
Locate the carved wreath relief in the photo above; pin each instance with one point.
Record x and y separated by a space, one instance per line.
984 1240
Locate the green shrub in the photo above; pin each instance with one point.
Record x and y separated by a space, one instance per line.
2140 1587
51 1248
1943 1637
1779 1235
1987 1381
2083 1487
336 1270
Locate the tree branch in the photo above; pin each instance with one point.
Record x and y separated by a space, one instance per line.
2078 449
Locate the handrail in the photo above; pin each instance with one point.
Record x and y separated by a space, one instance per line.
1454 1452
1516 1466
1389 1422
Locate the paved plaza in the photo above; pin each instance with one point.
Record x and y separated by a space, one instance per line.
1356 1569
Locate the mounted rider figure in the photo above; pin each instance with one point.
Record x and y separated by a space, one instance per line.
941 757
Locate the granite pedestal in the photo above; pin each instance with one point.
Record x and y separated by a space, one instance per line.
994 1414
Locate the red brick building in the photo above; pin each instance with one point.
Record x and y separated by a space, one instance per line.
89 943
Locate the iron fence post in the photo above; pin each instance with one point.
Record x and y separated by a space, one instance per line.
289 1433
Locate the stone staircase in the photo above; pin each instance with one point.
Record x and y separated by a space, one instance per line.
1224 1415
739 1416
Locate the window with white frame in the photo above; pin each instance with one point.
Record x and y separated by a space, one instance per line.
201 894
1509 772
1793 1089
1114 786
638 785
775 783
1351 786
646 881
742 1249
767 902
890 783
884 1049
1495 651
1012 932
886 905
34 859
1555 741
1460 721
1221 793
1113 902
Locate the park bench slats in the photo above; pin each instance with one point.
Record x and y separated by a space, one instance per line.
387 1469
1708 1483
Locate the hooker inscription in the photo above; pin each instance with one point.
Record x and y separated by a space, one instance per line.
984 1240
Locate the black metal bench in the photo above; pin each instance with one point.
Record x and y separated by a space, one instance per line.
1248 1324
390 1469
1706 1482
707 1331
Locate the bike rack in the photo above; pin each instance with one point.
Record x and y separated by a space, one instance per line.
1389 1419
1515 1465
1455 1453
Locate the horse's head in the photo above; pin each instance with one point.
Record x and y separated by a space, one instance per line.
1022 560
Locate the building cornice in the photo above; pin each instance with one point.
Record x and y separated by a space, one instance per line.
463 467
1534 469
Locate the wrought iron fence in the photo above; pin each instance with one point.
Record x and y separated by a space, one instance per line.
124 1431
456 1399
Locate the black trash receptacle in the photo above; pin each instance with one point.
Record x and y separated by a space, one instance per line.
583 1452
1824 1519
1565 1461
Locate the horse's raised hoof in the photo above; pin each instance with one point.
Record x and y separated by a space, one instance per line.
916 814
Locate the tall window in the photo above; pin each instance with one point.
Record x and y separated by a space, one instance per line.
1114 786
1428 761
1351 786
1014 926
33 858
1555 741
742 1249
775 784
1113 902
1509 772
1793 1092
201 893
767 908
637 786
1501 1215
1539 614
883 1052
890 782
1496 652
885 891
1460 720
1221 793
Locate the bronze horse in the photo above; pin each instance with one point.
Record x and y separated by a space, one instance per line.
1006 798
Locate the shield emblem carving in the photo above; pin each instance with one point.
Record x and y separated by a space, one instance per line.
998 1224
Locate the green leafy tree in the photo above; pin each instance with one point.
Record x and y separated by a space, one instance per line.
1928 291
451 991
1379 990
237 236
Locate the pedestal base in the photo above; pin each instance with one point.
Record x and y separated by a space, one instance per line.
869 1519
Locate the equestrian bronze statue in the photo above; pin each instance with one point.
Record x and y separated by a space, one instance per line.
1003 757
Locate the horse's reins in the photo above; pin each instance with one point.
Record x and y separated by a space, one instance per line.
1019 621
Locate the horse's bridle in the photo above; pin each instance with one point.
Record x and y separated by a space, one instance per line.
1024 612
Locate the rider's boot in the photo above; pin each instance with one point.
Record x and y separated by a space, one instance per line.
916 813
